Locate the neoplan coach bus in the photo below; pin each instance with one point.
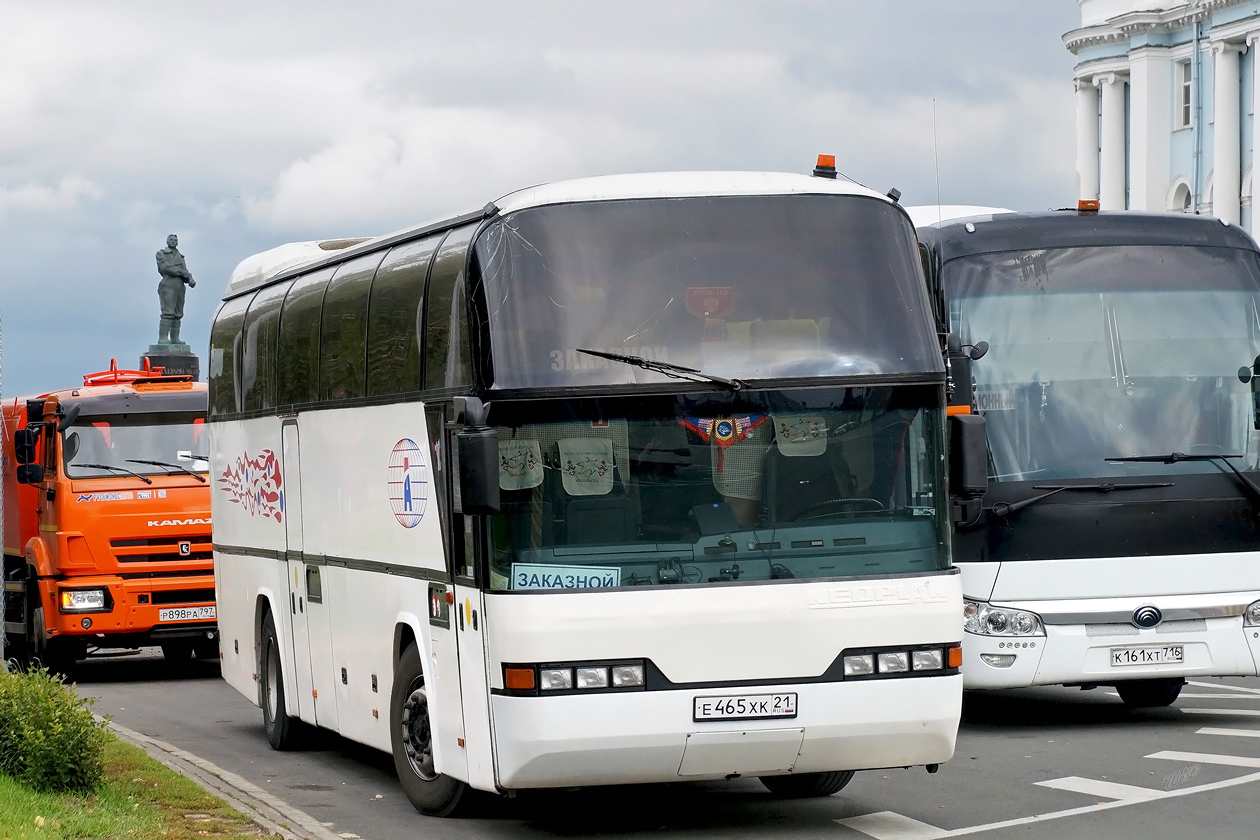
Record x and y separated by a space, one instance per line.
1117 543
627 479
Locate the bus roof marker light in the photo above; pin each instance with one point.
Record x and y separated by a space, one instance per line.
826 167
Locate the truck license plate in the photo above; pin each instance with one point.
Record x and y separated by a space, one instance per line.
1147 655
186 614
745 707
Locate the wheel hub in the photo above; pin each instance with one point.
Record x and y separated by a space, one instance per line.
417 736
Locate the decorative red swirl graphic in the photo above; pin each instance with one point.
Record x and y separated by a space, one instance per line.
255 484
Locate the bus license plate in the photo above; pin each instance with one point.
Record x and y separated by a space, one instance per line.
186 614
745 707
1147 655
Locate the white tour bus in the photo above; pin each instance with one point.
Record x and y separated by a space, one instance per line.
1119 540
627 479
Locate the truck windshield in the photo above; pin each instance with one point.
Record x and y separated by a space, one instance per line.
742 287
119 441
1106 352
718 487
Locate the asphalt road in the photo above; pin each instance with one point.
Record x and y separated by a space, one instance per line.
1035 763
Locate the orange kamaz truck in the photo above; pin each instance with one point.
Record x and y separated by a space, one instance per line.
107 520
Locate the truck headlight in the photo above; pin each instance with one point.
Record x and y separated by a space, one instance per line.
986 620
84 600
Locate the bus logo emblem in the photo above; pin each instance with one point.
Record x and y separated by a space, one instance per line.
1147 616
408 483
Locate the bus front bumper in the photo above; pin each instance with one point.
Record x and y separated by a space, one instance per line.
650 736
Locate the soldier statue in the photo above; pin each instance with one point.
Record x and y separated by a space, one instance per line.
170 264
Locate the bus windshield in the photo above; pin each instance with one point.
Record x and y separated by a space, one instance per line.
745 286
171 443
1106 352
716 488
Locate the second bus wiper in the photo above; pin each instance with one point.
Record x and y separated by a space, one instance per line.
143 478
674 371
197 476
1001 509
1174 457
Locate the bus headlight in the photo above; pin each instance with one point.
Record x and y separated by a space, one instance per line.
84 600
986 620
1251 618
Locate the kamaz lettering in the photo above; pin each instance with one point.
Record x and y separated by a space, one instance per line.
162 523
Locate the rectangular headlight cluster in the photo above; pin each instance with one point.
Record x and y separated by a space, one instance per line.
881 663
85 600
579 677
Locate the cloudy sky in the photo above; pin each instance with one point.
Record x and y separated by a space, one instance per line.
243 125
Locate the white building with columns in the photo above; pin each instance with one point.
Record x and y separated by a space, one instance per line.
1165 105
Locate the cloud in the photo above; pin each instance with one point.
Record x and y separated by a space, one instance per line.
34 197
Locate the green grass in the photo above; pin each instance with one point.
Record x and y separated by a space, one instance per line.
140 798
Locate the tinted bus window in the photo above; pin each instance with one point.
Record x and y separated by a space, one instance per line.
447 361
344 329
299 338
396 319
225 340
259 362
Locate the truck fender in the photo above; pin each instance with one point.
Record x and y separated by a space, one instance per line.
38 557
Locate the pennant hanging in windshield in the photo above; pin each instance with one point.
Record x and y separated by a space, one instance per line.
724 431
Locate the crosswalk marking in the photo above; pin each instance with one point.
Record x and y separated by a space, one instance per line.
1235 712
1207 758
888 825
1237 733
1099 787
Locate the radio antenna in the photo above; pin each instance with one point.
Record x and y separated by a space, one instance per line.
937 156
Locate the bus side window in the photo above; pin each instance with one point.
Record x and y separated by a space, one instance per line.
436 420
224 343
396 320
448 356
299 338
343 331
259 364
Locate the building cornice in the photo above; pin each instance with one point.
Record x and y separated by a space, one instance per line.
1123 27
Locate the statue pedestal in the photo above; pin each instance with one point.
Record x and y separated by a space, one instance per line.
174 359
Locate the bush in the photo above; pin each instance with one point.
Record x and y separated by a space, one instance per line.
49 739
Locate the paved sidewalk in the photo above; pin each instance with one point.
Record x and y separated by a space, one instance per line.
272 813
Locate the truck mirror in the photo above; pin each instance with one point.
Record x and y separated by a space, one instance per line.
70 447
968 465
30 473
478 470
24 443
69 419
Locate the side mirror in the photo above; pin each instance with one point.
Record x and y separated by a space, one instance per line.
24 443
30 474
70 447
1252 375
968 466
478 470
69 419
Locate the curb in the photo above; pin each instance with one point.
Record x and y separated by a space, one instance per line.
272 813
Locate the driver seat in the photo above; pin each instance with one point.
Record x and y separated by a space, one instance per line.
795 484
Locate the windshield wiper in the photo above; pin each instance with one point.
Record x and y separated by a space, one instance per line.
1174 457
143 478
1001 509
197 476
673 371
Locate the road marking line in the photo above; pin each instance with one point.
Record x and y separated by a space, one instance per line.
1235 712
1207 758
1237 733
888 825
1224 687
1220 696
1098 787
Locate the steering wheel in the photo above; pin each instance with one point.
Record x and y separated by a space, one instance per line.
821 510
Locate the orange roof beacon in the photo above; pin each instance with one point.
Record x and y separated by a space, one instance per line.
107 519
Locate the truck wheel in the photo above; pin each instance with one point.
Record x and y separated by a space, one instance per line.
57 655
804 785
207 649
283 731
1149 694
411 734
177 654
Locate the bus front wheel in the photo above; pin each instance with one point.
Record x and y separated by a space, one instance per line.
803 785
411 734
1149 694
283 730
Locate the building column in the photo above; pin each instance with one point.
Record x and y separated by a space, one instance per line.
1086 139
1150 128
1226 138
1111 141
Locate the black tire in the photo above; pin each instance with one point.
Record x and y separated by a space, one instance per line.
206 650
283 731
1149 694
177 654
804 785
431 793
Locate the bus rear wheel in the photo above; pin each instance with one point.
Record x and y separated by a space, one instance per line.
805 785
1149 694
411 734
283 730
